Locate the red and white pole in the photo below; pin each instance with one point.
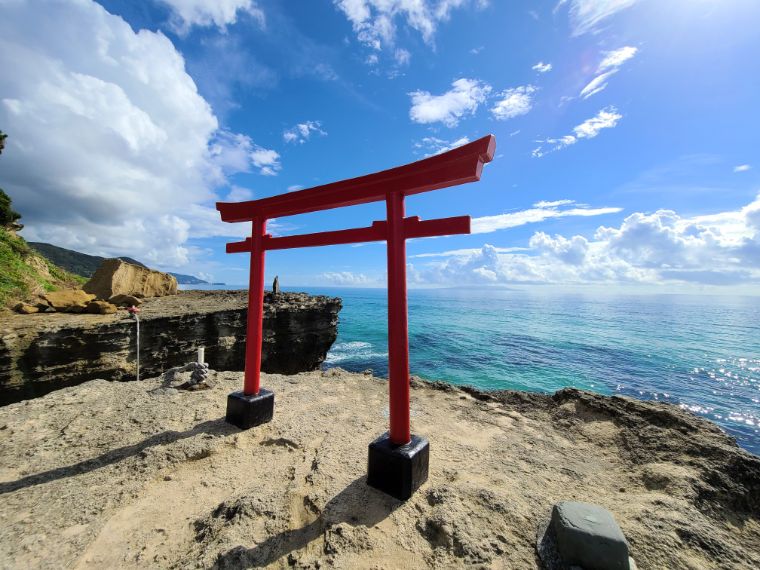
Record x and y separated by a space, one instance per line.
398 329
254 334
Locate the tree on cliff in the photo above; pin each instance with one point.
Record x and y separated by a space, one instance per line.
7 215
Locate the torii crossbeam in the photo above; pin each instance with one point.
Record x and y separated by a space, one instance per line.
395 462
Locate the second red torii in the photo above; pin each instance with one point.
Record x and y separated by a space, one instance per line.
458 166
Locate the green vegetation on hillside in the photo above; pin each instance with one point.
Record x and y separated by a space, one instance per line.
74 261
23 272
85 265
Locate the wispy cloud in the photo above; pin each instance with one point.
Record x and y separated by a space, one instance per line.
302 132
587 15
464 98
402 56
514 102
375 21
538 213
220 13
614 59
542 67
609 66
606 119
346 278
433 145
266 160
742 168
465 252
239 194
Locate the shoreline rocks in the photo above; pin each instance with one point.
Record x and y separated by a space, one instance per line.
41 353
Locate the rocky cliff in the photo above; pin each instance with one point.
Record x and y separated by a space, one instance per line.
140 475
44 352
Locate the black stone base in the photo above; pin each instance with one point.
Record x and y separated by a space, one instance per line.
398 470
250 411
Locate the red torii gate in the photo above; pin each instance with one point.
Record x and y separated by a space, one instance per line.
398 464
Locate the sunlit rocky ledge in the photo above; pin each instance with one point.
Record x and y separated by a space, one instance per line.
127 475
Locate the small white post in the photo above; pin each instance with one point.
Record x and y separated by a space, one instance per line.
201 354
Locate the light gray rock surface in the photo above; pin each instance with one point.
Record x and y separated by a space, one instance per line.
140 475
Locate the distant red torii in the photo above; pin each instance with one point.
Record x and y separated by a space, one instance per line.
458 166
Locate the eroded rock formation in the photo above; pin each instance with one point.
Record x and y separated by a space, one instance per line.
41 353
117 277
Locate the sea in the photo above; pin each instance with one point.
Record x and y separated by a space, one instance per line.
698 352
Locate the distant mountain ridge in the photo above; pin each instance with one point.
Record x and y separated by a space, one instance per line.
85 265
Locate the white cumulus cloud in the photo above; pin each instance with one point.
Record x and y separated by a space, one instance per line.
235 152
514 102
742 168
464 98
657 248
110 150
605 119
542 67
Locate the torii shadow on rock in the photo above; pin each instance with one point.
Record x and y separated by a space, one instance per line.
218 427
358 505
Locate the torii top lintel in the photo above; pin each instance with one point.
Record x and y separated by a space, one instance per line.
461 165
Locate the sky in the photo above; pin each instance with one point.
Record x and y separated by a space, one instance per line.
628 151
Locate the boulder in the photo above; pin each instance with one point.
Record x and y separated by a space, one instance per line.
25 309
101 308
69 300
115 277
122 300
586 536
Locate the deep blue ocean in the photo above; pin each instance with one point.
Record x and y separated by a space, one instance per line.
699 352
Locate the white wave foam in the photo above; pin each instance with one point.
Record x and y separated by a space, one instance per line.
354 350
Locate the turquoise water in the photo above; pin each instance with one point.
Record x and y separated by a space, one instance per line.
700 352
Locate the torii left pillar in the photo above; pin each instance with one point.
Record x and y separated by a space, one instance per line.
253 405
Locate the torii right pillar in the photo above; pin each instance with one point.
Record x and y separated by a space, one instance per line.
398 460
